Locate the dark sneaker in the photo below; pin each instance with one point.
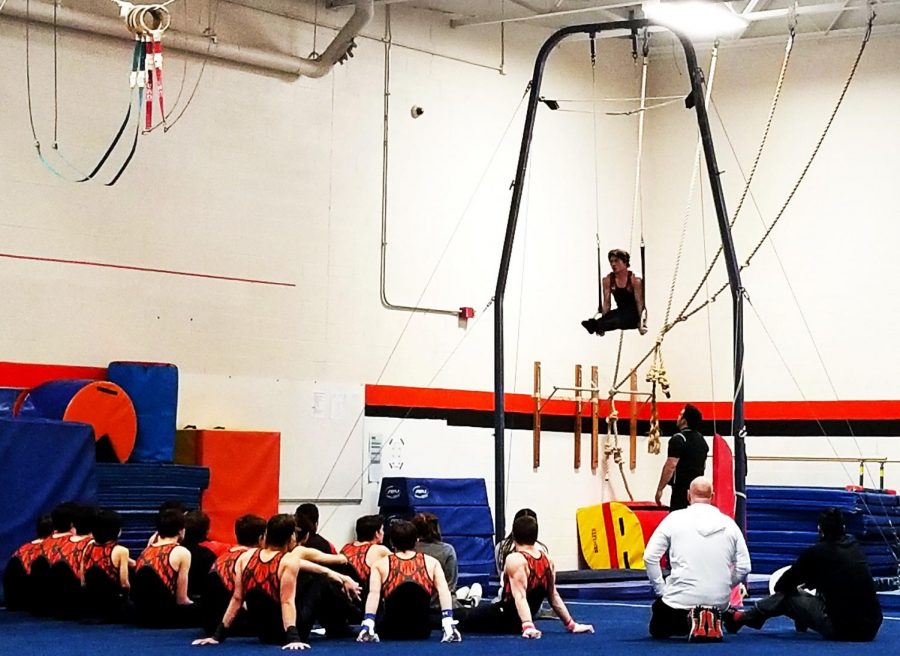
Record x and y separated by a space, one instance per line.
706 624
731 619
589 325
800 627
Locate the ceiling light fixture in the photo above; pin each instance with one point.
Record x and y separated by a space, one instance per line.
697 19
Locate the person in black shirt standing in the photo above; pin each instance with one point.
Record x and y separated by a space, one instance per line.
686 458
844 606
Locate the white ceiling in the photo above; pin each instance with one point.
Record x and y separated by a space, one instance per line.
767 17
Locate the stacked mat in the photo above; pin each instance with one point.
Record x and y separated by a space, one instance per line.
461 506
781 523
137 490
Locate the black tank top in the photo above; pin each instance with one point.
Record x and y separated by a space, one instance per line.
624 296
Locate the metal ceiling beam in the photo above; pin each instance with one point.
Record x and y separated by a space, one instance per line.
751 6
335 4
472 22
527 5
836 18
806 10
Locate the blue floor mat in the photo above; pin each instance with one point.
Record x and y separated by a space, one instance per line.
621 631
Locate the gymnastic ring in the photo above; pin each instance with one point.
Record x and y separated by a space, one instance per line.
160 15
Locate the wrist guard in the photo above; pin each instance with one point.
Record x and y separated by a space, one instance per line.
220 633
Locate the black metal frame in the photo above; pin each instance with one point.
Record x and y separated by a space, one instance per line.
734 275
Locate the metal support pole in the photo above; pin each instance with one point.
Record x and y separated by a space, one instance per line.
536 428
737 291
595 420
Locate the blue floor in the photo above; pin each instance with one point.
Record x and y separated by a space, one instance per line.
621 631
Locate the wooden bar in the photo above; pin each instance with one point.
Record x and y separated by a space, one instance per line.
595 418
536 437
632 442
577 417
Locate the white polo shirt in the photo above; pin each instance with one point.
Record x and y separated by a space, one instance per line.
707 555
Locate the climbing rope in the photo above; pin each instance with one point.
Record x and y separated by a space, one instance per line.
789 47
685 313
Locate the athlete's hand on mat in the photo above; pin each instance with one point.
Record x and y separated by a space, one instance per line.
205 641
529 632
451 633
367 634
582 628
296 646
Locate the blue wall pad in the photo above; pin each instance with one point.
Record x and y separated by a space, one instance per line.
44 463
137 490
471 547
153 388
8 396
425 492
782 523
454 520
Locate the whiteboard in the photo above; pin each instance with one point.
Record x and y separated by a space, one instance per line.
322 451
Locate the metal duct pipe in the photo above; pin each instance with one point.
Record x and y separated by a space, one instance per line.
72 19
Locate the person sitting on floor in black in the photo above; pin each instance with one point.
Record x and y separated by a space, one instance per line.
16 590
529 578
52 551
405 581
328 601
367 549
308 514
64 580
628 291
266 581
104 570
196 532
844 606
219 582
159 588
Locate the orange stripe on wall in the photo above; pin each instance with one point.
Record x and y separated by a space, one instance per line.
450 399
23 374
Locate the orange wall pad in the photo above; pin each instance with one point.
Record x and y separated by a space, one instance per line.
244 469
452 399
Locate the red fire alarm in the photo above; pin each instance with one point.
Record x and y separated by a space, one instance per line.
466 312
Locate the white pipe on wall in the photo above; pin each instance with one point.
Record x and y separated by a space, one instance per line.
264 59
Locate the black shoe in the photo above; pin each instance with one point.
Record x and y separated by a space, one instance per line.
589 325
730 619
800 627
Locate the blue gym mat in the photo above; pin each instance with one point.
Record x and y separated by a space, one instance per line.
621 630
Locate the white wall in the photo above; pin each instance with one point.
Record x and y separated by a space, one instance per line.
279 179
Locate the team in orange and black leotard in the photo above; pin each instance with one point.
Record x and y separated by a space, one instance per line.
264 580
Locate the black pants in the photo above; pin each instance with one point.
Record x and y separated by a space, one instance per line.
805 609
679 500
666 621
104 598
498 618
322 601
405 614
616 320
15 586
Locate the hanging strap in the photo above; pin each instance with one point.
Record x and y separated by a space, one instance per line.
593 46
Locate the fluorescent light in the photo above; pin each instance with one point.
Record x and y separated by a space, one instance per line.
696 18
